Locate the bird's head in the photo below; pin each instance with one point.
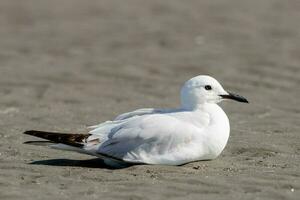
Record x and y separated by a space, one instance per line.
205 89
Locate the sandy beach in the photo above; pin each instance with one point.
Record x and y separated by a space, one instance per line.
65 65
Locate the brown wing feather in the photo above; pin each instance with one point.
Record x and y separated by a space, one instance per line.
76 140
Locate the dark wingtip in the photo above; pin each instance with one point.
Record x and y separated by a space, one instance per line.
39 143
30 132
76 140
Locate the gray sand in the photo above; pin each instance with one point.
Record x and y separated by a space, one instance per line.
68 64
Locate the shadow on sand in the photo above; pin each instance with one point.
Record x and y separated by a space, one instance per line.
91 163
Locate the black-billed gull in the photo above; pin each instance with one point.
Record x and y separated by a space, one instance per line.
198 130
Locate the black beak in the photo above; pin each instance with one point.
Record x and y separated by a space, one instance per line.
235 97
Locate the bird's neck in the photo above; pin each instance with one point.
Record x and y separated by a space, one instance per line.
203 106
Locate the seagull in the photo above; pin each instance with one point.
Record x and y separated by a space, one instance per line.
197 130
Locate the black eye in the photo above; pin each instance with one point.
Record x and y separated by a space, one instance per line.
207 87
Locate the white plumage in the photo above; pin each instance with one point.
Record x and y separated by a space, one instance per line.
197 130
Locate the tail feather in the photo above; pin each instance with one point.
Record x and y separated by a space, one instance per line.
75 140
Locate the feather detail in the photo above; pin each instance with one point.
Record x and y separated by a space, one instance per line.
75 140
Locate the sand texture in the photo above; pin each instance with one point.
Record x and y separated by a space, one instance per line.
67 64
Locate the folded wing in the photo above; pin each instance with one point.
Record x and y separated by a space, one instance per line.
151 139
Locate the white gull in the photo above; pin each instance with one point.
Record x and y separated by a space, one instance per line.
198 130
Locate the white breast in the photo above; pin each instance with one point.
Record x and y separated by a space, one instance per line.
217 131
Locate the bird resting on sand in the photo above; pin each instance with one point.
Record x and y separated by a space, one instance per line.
197 130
